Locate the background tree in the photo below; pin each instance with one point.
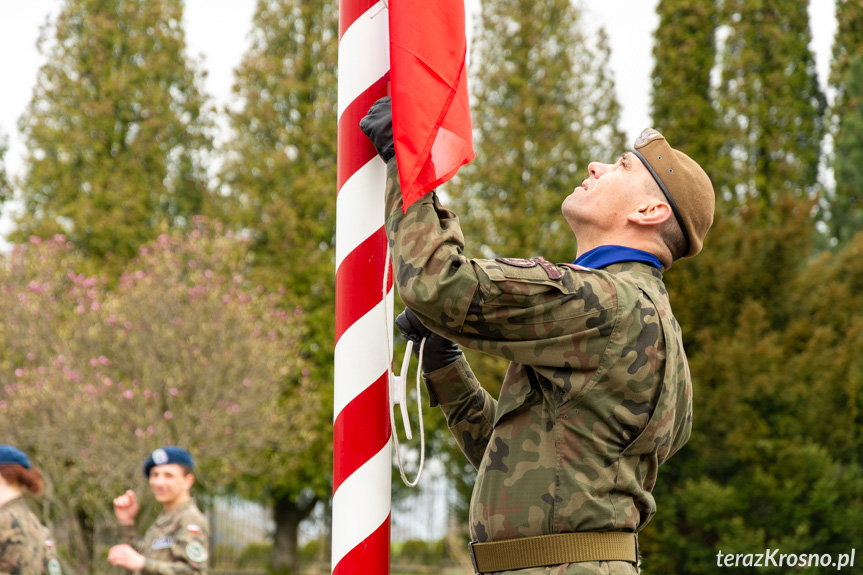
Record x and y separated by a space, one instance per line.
115 129
774 457
846 47
760 315
760 142
846 212
5 186
846 82
770 104
684 53
278 183
184 350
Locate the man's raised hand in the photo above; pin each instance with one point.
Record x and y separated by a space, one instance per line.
378 126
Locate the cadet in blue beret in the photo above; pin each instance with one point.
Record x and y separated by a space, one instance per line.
26 546
179 540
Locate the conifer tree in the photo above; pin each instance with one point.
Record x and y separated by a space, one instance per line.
5 187
771 105
115 130
847 45
764 453
846 80
777 406
684 54
846 213
278 184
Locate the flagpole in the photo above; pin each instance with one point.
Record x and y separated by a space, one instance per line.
362 449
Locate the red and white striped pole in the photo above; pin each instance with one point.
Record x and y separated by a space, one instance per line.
362 449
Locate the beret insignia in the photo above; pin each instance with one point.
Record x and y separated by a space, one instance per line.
160 457
647 135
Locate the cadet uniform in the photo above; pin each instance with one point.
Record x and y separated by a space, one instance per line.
178 542
26 547
596 397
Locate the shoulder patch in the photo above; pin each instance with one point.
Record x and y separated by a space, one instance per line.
196 552
54 567
517 262
549 268
192 528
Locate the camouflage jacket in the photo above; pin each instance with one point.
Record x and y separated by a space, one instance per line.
178 542
26 547
597 394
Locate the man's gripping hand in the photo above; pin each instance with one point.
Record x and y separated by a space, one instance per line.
438 351
378 126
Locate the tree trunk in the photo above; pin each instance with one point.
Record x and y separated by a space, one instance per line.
286 552
84 554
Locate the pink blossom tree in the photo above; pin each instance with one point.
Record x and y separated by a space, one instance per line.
180 349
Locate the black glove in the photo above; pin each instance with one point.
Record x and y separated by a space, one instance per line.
438 351
378 126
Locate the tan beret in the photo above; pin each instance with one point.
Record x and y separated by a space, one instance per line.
685 185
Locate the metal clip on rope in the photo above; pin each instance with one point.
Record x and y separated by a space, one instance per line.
398 392
399 389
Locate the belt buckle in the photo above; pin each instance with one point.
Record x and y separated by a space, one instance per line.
473 557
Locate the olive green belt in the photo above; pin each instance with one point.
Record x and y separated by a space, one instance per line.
555 549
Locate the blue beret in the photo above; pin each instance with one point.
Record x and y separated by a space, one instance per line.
168 454
11 456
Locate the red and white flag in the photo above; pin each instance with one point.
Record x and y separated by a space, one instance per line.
428 75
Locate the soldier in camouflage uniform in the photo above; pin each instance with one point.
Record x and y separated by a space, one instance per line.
178 542
26 546
598 393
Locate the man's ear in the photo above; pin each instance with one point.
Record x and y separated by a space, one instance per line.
650 213
189 479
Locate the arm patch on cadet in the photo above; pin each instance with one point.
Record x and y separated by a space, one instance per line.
196 552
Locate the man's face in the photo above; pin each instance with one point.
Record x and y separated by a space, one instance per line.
170 483
609 194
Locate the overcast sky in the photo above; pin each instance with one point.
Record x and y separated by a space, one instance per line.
217 31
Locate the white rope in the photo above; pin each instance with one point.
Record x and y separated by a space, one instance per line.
390 377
